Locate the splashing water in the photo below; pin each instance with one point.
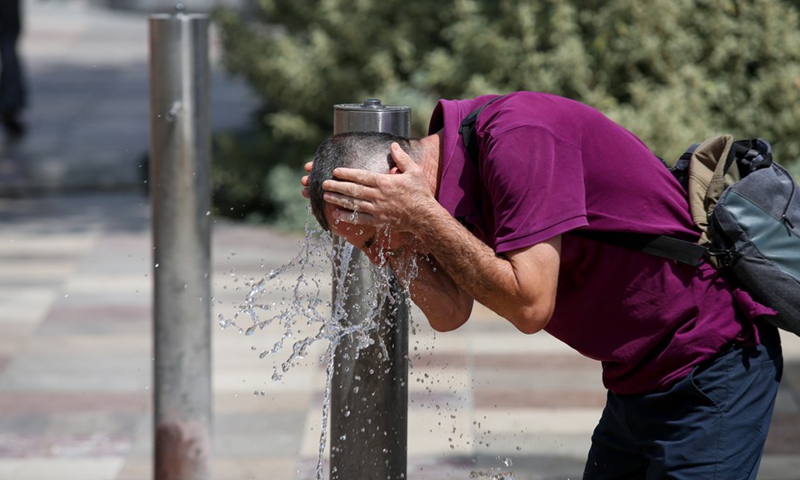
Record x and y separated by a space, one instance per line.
303 306
304 303
492 475
495 474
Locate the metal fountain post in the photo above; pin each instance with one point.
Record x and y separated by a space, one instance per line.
369 394
180 151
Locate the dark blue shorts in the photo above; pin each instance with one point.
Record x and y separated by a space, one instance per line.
711 425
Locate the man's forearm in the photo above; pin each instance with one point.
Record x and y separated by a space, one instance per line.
445 305
495 281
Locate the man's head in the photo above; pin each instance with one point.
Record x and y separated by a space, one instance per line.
365 150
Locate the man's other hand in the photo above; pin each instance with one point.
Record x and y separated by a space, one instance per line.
304 180
398 200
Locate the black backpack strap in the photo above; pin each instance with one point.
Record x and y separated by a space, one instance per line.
467 129
681 168
751 155
662 246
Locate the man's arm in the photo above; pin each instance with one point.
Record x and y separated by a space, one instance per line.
518 285
444 303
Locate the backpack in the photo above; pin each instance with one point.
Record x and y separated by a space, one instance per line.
747 208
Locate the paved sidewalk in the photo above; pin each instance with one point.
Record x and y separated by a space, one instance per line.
75 311
76 356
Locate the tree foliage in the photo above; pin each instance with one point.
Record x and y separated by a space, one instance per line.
672 71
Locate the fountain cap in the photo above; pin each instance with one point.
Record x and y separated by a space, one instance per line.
372 116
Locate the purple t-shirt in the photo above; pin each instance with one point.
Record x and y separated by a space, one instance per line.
549 165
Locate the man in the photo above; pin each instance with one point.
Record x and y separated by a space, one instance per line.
690 366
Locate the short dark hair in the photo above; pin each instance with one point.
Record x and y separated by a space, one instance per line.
365 150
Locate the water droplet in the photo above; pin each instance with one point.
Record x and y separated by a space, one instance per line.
225 323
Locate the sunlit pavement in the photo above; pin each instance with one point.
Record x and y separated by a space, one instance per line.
76 359
75 315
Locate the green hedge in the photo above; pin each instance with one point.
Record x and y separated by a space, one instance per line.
672 71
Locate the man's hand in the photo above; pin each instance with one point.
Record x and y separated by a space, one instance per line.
304 180
398 200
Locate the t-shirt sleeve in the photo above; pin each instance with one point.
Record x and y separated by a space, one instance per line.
535 183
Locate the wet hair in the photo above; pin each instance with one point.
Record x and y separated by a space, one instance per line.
364 150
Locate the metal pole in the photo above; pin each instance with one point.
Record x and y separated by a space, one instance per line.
369 394
180 151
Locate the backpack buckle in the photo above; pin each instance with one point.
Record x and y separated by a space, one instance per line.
722 257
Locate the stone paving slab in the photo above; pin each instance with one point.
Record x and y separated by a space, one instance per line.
102 468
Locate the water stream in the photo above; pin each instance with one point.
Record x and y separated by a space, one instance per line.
305 303
304 307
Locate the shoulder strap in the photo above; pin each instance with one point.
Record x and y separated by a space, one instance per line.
662 246
752 155
467 129
681 168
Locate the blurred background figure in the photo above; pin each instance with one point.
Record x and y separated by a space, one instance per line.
12 83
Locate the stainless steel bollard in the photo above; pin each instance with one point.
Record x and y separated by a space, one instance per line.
369 394
180 151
